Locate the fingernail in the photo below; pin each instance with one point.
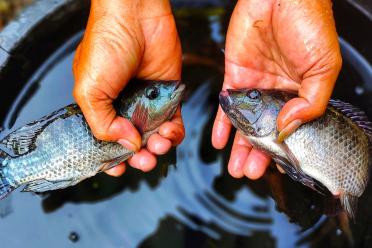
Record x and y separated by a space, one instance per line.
129 145
288 130
280 169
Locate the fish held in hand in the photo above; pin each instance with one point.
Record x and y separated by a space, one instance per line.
59 150
332 151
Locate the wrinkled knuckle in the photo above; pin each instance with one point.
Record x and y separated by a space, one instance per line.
99 133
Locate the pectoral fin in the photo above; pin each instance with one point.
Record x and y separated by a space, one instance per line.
114 162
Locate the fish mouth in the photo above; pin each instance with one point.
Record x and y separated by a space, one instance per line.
225 100
179 90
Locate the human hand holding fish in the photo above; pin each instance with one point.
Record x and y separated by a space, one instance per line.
283 45
124 39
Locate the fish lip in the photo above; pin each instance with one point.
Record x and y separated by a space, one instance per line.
225 100
179 89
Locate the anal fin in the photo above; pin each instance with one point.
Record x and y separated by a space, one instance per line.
43 185
350 204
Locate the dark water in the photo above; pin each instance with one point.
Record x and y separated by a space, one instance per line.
198 204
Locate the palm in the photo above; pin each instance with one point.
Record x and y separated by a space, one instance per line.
285 45
154 51
277 49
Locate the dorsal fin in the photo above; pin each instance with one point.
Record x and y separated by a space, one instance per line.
355 114
22 140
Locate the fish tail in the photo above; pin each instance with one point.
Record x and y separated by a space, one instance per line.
350 204
5 187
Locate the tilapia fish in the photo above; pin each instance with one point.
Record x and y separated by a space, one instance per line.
59 150
332 151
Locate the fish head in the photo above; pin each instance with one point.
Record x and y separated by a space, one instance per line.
148 104
252 111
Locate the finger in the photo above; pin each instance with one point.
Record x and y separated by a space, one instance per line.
322 62
117 171
122 127
221 129
239 154
256 164
158 145
143 160
98 111
174 129
312 102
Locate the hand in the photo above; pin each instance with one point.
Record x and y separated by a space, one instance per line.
287 45
124 39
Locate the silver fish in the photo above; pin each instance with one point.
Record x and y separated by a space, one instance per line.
332 151
59 150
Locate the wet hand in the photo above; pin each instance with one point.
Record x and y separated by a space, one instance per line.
286 45
126 39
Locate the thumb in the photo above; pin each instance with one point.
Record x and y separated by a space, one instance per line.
102 119
314 94
106 59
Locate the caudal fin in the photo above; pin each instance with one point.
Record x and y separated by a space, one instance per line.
5 187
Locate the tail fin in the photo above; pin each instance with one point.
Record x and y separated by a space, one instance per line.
5 187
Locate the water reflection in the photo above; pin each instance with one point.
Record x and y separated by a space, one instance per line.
198 204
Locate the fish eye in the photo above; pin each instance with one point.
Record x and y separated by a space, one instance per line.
253 94
152 93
